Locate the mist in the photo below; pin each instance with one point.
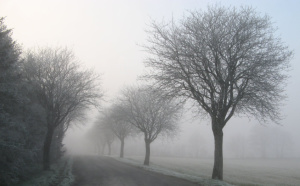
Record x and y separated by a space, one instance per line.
242 139
109 36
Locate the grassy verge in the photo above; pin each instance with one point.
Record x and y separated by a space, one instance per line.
244 172
59 175
169 172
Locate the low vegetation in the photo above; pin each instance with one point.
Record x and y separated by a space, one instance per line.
60 174
237 171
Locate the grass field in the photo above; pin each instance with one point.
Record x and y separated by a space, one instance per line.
236 171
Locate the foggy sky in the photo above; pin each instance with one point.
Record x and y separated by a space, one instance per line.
106 35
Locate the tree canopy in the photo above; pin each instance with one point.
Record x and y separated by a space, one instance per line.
151 113
228 60
62 87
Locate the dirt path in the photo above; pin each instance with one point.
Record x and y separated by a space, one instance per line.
105 171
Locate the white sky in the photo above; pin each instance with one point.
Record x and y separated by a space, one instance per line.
105 35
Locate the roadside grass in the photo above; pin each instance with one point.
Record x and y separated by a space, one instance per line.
245 172
169 172
60 174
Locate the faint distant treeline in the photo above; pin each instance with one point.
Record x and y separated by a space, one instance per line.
261 142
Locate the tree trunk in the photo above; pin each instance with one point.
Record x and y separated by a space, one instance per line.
122 149
46 150
102 149
109 149
147 156
218 161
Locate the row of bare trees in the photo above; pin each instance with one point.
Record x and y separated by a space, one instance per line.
227 61
42 91
61 87
143 110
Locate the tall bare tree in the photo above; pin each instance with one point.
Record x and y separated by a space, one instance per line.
151 113
227 60
62 87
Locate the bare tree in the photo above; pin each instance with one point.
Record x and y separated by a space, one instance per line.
151 113
101 133
62 88
97 140
227 60
108 136
115 117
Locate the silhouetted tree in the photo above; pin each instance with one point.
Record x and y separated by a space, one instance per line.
151 113
93 135
62 88
101 133
227 60
116 120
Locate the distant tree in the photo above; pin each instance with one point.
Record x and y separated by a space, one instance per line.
227 60
270 142
151 113
108 137
62 88
101 133
116 121
93 135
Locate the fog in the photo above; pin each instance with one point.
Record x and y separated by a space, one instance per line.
242 139
107 36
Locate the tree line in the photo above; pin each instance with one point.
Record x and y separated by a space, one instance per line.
139 110
226 61
42 91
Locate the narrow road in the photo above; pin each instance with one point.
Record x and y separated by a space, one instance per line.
105 171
